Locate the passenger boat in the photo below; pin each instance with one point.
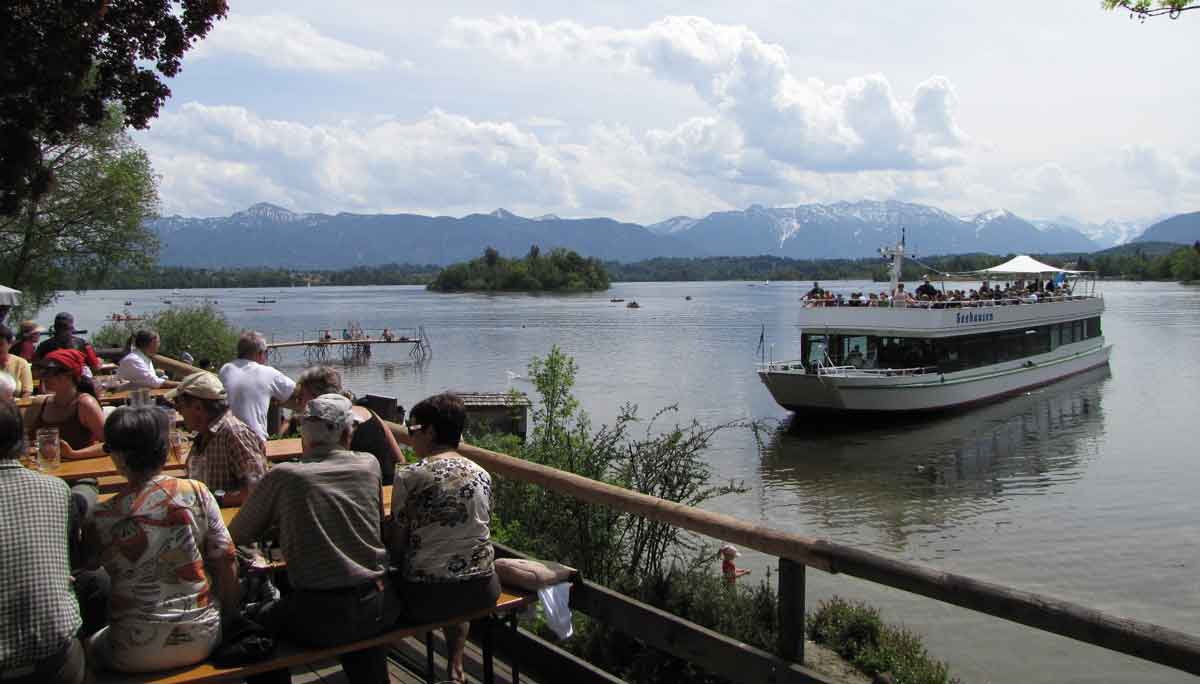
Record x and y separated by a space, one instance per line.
912 356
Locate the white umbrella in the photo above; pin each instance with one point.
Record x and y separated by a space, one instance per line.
9 296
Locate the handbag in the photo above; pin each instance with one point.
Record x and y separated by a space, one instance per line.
243 641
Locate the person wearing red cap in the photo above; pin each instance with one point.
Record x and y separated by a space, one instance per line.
70 405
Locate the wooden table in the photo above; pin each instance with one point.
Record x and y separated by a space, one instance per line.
106 398
103 466
229 513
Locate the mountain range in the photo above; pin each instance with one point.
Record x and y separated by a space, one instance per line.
269 235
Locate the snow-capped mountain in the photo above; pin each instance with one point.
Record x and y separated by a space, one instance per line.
1108 234
857 229
672 225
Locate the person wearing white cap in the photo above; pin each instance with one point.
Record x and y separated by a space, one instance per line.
328 509
226 455
730 571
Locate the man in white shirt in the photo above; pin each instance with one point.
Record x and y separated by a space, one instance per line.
251 384
136 368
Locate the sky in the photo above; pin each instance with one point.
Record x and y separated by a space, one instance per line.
645 111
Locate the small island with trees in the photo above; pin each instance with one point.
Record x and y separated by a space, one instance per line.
561 270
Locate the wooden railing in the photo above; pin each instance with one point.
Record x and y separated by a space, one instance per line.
742 663
1145 640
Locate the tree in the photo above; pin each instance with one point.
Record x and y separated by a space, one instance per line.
63 63
1149 8
91 222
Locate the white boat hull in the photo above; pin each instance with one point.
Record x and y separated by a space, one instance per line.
800 391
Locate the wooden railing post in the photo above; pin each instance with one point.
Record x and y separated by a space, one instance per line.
791 610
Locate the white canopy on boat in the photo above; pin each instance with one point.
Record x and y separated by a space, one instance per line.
1023 265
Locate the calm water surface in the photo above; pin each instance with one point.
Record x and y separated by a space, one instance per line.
1084 490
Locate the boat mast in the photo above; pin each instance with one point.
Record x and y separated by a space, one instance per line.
897 255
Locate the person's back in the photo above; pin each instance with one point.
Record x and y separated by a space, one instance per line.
251 385
40 615
328 512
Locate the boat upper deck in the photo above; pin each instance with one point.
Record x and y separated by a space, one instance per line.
945 318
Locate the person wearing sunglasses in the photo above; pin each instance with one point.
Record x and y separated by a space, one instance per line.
440 528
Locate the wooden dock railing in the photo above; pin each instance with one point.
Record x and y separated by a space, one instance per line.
740 662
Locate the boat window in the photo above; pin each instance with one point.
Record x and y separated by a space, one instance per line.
854 350
813 348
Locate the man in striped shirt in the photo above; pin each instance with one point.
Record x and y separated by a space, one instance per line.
227 454
328 510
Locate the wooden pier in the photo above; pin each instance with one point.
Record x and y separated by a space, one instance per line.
323 346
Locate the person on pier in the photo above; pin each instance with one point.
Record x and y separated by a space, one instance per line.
251 384
227 455
440 529
328 509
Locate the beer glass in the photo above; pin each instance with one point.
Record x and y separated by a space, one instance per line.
47 449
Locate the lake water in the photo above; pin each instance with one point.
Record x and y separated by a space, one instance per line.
1085 490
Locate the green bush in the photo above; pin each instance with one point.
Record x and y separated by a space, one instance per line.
857 633
202 331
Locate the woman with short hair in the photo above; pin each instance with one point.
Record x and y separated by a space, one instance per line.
163 542
440 530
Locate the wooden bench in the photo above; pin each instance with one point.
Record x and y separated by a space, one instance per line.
289 655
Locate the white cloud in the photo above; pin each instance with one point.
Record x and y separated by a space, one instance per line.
286 42
1149 168
749 83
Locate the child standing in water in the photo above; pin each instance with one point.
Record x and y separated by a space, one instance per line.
728 569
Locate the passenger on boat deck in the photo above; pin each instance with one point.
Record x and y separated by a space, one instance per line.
328 510
40 619
136 367
815 292
69 405
163 543
926 289
64 338
227 455
370 435
445 550
251 384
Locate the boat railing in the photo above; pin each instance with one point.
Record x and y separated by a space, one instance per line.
945 304
856 372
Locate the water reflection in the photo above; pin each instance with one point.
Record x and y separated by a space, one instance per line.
879 483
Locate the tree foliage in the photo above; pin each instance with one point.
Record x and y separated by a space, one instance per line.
562 271
1152 8
202 331
170 277
63 63
90 223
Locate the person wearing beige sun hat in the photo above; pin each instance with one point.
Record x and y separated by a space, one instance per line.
227 455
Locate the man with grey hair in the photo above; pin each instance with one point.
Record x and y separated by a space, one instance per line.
252 384
328 509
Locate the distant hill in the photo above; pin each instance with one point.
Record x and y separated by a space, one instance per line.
268 235
1146 249
1182 229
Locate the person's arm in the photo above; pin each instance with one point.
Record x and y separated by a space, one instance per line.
220 556
254 517
399 433
283 387
249 454
90 355
26 379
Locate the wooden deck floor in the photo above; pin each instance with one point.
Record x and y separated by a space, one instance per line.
407 666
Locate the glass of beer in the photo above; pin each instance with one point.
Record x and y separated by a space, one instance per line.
47 448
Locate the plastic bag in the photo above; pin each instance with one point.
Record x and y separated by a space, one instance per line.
556 605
